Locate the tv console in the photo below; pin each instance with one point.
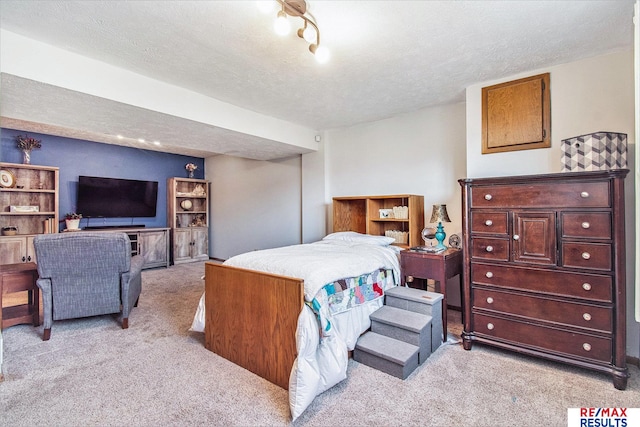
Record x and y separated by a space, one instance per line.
152 243
112 227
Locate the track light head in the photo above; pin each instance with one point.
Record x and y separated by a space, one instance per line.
309 32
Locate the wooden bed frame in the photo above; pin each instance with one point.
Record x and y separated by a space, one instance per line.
255 316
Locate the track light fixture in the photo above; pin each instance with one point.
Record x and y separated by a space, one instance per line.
309 32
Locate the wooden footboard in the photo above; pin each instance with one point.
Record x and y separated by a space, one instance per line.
251 319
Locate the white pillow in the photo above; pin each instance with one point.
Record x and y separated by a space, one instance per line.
353 237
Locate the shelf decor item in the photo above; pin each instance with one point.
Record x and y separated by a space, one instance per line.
26 144
9 231
594 151
439 214
72 220
7 179
190 167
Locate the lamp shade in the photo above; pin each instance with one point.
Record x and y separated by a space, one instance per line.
439 214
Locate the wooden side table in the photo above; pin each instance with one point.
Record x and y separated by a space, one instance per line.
437 266
19 278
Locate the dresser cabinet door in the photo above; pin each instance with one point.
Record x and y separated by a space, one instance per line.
534 237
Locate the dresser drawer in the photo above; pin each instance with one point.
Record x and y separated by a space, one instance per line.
489 222
592 256
488 248
567 313
542 195
594 225
543 338
591 287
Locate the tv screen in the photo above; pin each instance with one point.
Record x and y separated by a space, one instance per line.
116 198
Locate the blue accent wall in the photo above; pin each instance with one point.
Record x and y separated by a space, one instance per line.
77 157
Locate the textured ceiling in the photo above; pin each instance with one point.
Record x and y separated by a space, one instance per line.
387 58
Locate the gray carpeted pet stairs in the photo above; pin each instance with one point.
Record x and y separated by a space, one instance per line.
404 332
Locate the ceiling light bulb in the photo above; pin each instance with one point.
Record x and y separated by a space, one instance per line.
309 34
322 53
282 26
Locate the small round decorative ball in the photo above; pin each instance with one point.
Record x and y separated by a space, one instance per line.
186 204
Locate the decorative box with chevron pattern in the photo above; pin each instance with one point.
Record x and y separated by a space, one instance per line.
594 151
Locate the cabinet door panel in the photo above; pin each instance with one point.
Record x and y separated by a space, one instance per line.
200 246
181 244
13 250
153 248
534 237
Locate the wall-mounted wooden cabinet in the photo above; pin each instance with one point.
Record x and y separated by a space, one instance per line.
516 115
26 187
374 215
188 217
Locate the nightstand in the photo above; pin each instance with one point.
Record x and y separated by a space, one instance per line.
437 266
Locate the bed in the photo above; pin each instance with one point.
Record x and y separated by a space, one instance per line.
292 314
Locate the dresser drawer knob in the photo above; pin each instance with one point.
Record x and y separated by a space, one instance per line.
488 197
490 300
489 274
516 237
488 223
586 346
586 225
586 255
584 194
586 316
586 286
489 248
490 326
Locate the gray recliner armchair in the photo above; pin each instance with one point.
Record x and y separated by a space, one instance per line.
86 274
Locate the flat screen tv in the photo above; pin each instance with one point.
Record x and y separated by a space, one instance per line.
116 198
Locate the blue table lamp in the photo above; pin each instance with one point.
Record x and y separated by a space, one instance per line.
440 215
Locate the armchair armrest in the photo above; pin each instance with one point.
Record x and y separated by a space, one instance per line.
136 265
131 287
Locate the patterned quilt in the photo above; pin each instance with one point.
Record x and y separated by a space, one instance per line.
344 294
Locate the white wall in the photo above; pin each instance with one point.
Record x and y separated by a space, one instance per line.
314 207
254 204
591 95
422 153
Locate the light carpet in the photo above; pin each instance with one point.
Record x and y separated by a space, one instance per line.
93 373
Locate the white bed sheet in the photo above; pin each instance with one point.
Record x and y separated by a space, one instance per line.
321 361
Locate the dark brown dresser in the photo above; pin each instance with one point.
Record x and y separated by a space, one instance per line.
544 267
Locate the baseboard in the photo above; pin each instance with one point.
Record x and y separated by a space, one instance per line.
633 361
